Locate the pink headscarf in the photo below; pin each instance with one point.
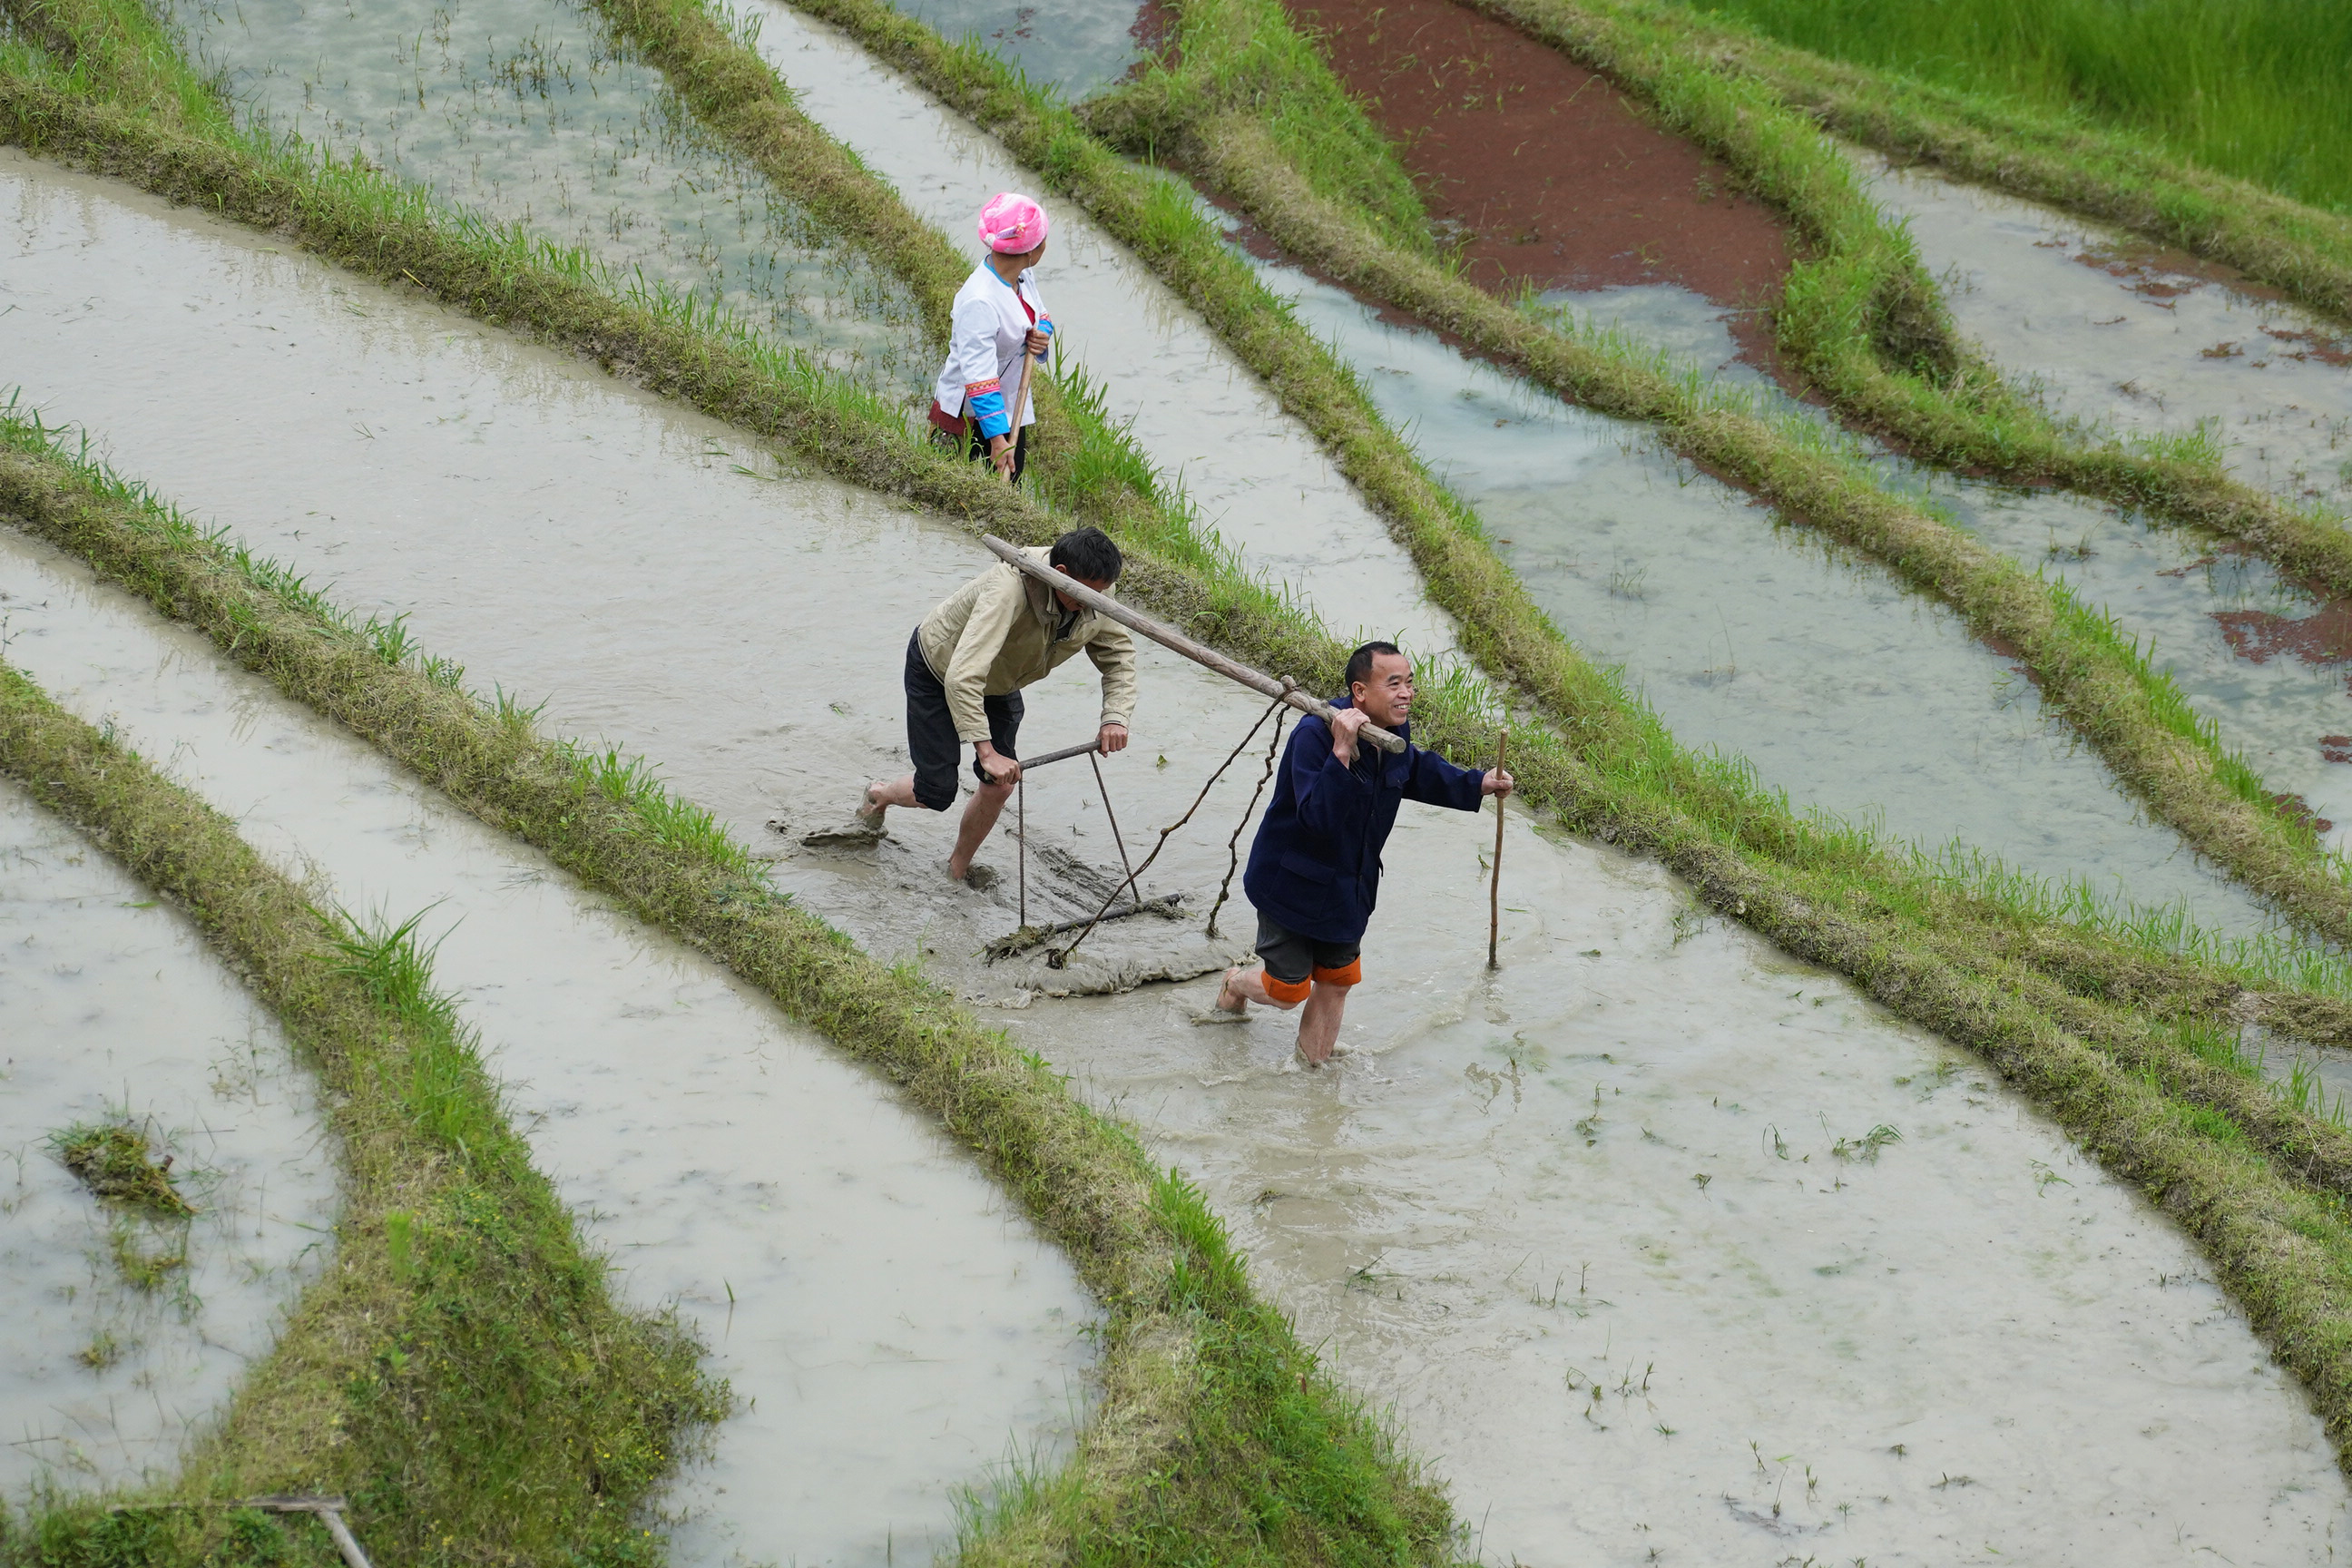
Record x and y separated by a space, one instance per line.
1012 224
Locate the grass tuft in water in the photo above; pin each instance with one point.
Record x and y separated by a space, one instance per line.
115 1161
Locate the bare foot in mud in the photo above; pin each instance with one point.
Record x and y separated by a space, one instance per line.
979 879
1229 997
870 810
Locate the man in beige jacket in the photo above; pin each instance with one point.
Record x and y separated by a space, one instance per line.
966 665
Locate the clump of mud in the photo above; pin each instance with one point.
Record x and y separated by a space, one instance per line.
114 1161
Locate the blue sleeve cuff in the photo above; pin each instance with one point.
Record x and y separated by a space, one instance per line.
988 407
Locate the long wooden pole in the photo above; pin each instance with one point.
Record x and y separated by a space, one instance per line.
1170 637
1495 886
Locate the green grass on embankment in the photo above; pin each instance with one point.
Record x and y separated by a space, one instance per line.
2063 161
1080 461
1860 319
1217 1438
2261 89
2134 717
2100 1020
390 233
460 1369
2054 158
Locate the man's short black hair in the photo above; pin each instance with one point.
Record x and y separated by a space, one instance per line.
1088 553
1360 663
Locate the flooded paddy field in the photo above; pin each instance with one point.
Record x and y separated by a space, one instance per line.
2130 338
1641 1139
129 1323
1839 684
2263 656
1643 562
1078 47
530 114
1256 475
893 1331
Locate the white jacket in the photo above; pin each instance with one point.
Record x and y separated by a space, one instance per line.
984 366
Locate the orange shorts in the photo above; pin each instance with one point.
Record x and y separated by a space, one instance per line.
1294 964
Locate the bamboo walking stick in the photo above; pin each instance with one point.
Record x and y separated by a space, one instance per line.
1020 399
1495 883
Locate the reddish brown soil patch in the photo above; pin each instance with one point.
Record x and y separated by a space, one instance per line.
2335 748
1552 176
2297 809
2322 637
1153 32
2315 345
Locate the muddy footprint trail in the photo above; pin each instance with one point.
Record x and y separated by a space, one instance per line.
1626 1211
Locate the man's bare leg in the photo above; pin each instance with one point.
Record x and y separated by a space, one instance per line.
1244 987
1319 1027
979 815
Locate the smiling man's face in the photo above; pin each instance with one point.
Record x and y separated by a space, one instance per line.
1385 697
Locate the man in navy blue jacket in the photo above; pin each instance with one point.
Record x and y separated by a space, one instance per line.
1315 868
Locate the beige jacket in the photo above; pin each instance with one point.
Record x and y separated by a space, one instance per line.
995 634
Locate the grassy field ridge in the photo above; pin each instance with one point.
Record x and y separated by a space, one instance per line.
1953 951
471 1385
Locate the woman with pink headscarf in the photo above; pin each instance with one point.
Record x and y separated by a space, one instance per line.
998 314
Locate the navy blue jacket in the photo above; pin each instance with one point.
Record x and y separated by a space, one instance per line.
1315 865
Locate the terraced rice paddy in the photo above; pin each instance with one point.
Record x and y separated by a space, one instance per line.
126 1325
2126 336
529 115
733 1167
1655 1243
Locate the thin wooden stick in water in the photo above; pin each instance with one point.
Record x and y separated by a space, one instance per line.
1495 884
1021 832
1125 864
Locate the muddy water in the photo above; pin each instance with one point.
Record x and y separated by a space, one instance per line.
1975 1295
1072 45
2267 661
1547 175
2135 339
891 1331
1256 474
116 1009
1841 686
526 111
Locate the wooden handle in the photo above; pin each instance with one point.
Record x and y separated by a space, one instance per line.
1170 637
1495 886
1064 755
